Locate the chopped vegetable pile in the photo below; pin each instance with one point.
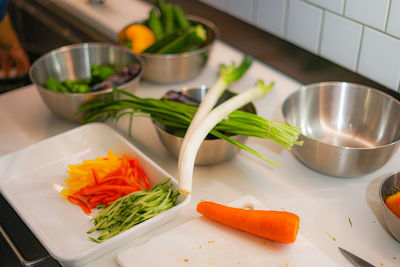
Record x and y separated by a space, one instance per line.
167 31
103 180
280 226
97 74
132 209
101 77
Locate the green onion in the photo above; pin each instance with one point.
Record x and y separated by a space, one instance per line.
132 209
179 116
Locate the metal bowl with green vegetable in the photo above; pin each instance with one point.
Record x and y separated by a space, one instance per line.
71 76
181 44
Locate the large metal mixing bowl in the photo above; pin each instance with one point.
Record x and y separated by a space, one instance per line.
211 151
172 68
74 61
348 129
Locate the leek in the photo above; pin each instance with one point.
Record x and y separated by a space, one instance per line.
179 116
188 153
228 74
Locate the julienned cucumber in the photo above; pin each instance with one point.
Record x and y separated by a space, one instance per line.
192 38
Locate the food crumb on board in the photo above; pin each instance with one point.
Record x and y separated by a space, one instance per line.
200 247
333 238
186 260
381 264
210 241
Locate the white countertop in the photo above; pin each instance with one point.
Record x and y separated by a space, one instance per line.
323 203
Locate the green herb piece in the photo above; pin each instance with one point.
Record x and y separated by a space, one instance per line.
351 224
334 239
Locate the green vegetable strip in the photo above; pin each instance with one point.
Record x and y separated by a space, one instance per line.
168 18
155 25
192 38
181 17
133 209
163 42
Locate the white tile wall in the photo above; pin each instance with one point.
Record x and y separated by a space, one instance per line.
370 12
393 26
240 8
304 25
340 40
270 15
380 58
336 6
361 35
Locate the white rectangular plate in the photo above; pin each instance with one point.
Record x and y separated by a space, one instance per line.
202 242
31 180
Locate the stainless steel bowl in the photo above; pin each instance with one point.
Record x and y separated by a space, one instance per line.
73 62
172 68
385 190
348 129
211 151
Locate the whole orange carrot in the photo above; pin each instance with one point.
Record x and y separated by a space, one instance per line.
278 226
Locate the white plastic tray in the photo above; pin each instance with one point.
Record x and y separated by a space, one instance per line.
202 242
32 178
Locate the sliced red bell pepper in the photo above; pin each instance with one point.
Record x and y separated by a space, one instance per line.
80 203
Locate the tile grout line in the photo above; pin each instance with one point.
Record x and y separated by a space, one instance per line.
359 48
286 19
387 15
321 32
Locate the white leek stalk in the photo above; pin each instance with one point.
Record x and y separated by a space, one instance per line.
188 153
228 74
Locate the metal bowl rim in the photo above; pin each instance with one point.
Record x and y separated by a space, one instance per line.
312 86
207 22
75 46
381 197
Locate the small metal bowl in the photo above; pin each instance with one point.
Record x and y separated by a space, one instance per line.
74 61
211 151
348 129
385 190
172 68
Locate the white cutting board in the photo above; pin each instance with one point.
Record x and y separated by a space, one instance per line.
202 242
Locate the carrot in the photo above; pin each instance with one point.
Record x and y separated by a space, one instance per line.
278 226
